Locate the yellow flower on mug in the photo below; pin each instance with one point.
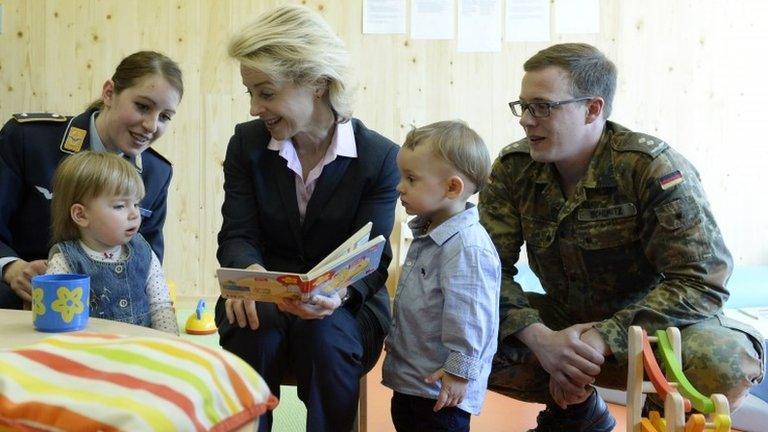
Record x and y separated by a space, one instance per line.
68 302
38 308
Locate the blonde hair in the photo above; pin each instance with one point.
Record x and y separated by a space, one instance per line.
456 143
84 176
293 43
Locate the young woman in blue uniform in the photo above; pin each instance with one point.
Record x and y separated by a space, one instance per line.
135 108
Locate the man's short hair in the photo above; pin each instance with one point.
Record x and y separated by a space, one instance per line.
591 72
456 143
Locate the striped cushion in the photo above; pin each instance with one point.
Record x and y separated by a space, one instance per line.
90 382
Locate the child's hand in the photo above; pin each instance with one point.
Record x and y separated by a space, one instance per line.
452 390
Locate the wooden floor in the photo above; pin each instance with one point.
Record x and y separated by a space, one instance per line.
500 414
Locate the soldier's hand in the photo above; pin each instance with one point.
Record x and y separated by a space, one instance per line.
563 398
19 274
593 338
571 362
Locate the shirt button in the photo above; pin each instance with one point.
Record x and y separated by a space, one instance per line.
118 269
123 303
409 263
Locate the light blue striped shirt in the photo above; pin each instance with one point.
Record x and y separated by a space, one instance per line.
446 310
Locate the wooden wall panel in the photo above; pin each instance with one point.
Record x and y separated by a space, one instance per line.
690 72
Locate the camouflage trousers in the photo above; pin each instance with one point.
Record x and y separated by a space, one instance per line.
718 354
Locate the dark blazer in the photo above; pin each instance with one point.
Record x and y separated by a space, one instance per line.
31 147
261 214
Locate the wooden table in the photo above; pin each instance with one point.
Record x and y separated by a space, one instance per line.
16 329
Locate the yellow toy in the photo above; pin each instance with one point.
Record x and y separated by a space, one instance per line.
673 388
201 322
172 291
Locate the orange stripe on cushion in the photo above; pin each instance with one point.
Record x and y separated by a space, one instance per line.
98 335
242 418
65 365
55 416
241 390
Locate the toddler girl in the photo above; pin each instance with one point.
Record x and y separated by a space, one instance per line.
95 216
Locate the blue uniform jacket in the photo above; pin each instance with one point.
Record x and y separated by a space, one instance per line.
261 214
31 147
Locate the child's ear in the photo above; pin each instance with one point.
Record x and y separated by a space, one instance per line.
79 215
455 187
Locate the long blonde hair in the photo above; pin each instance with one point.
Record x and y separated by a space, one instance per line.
293 43
84 176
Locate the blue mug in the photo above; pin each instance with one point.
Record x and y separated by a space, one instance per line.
60 302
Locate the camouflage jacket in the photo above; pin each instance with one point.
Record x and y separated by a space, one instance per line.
635 243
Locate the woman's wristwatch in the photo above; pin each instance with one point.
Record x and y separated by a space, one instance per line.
352 301
345 299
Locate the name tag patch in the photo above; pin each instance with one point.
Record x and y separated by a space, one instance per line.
145 213
605 213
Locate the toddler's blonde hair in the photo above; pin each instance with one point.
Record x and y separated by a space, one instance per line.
84 176
456 143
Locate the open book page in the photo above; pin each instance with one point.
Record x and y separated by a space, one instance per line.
347 269
354 259
259 285
355 241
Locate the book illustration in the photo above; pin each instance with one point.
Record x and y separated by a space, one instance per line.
354 259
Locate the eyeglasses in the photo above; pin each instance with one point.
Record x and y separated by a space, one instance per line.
539 109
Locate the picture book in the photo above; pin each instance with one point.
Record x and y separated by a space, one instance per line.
356 258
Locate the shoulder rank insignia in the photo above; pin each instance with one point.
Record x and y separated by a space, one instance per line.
35 117
73 143
520 146
671 180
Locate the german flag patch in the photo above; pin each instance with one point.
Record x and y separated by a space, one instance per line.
671 180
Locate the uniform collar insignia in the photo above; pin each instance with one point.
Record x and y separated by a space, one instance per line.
135 161
73 140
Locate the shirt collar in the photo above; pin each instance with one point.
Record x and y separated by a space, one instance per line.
600 172
113 254
446 230
97 145
342 144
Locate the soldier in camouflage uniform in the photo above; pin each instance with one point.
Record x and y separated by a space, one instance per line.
619 232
